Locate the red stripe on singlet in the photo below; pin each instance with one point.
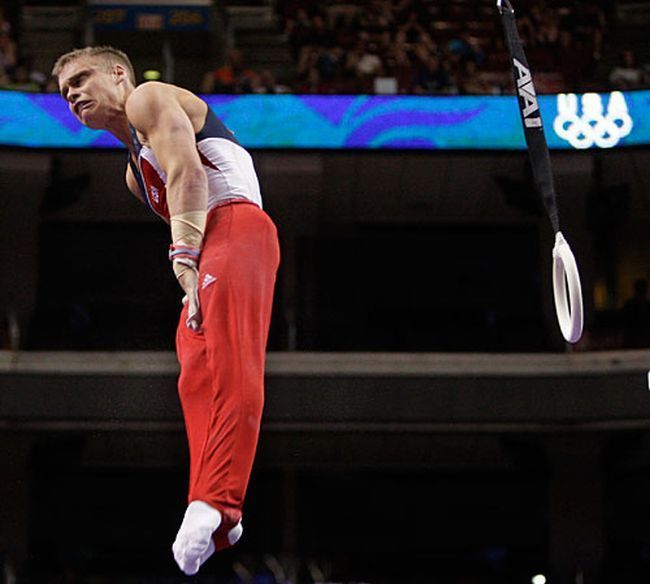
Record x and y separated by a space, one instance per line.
207 162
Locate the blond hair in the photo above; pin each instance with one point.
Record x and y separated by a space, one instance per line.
108 56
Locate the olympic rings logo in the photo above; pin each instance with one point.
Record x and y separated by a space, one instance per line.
593 127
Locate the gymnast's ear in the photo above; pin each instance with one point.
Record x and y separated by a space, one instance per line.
119 72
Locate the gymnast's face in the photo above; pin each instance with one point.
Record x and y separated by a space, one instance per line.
94 90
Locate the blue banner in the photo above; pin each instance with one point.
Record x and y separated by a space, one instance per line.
364 122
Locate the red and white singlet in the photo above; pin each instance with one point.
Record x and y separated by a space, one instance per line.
228 166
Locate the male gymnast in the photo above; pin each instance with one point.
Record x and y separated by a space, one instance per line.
189 169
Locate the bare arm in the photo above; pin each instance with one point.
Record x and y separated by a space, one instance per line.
132 183
155 112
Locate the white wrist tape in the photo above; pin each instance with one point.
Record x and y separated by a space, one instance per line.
182 265
187 234
188 228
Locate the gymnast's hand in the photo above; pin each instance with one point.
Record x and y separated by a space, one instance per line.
189 282
184 261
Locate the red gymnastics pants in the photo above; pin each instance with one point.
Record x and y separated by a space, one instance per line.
221 384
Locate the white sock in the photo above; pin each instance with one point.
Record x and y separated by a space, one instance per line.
193 544
207 553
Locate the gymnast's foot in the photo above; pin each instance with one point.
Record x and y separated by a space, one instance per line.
232 536
194 545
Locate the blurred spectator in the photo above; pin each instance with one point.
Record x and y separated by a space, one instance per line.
8 48
369 63
23 79
16 72
627 74
5 25
540 26
310 82
636 317
587 23
411 30
346 29
400 67
308 77
297 29
319 33
5 80
472 82
51 85
433 77
466 48
233 77
265 83
329 63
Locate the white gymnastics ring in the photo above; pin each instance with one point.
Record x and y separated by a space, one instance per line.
565 276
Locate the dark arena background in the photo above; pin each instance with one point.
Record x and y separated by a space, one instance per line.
425 421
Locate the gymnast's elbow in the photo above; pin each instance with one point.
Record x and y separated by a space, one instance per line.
188 183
